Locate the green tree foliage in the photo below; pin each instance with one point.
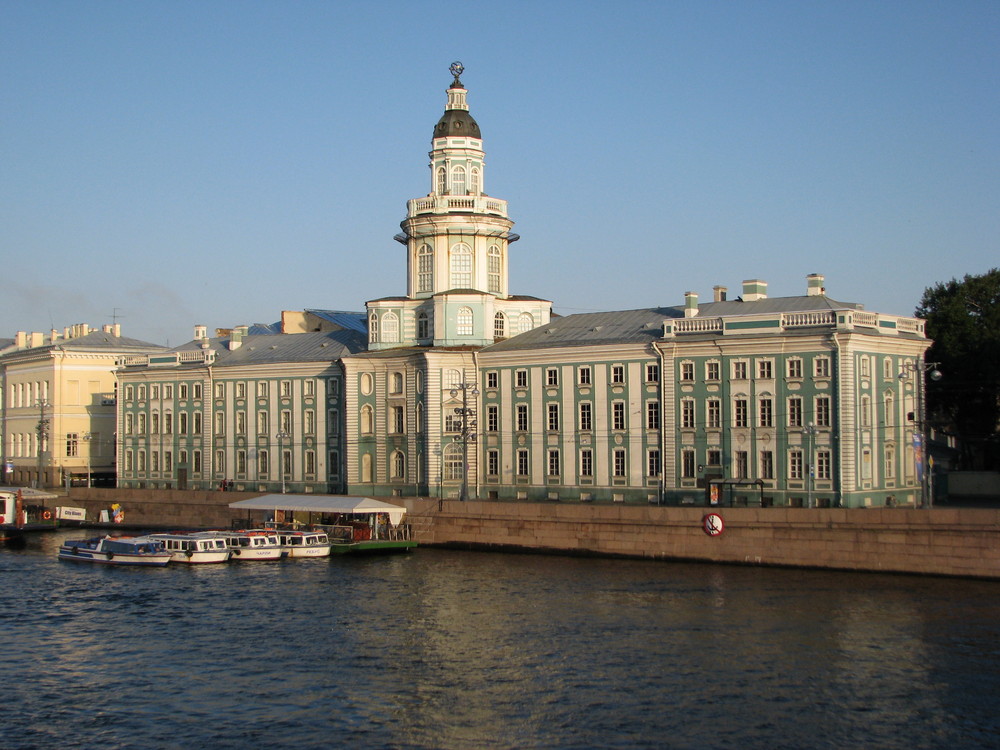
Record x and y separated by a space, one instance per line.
963 319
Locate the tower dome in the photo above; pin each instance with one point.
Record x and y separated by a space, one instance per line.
456 122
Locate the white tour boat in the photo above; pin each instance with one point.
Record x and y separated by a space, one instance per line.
194 547
304 543
251 545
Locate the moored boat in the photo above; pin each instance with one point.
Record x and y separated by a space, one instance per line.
195 547
250 545
301 543
116 550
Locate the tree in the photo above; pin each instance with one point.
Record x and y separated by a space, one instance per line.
963 319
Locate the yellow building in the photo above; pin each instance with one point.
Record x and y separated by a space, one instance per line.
58 408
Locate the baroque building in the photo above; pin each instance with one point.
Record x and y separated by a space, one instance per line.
460 388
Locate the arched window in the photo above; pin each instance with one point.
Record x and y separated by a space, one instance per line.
397 383
464 325
474 181
390 328
458 181
366 468
454 377
494 269
442 181
367 420
425 269
373 328
453 462
866 411
423 326
419 418
461 266
397 465
499 326
890 408
526 322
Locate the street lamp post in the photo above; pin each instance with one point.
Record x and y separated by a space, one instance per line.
921 455
810 433
282 437
43 435
87 437
469 424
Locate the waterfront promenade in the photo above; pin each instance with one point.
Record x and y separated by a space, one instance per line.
936 541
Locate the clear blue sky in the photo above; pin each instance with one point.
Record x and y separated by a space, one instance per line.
217 162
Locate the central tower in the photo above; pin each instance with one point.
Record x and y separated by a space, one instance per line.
457 240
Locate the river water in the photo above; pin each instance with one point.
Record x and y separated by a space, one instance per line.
447 649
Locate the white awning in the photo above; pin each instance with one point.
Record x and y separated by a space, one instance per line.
322 504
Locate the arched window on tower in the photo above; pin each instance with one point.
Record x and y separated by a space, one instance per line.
499 326
442 181
474 188
390 328
423 326
464 327
461 266
526 322
425 269
458 181
494 269
373 328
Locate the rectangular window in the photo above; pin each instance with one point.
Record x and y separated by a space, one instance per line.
687 413
740 413
653 465
182 423
309 422
795 369
553 417
795 464
196 462
552 376
890 462
554 462
220 423
740 464
492 418
584 375
712 371
220 462
334 466
493 379
168 391
310 458
262 389
241 423
652 415
821 367
687 370
687 464
713 415
142 460
520 378
586 417
168 461
652 372
823 465
142 392
740 369
241 390
617 374
196 390
286 388
142 424
129 461
618 415
795 411
72 444
168 423
766 413
196 426
714 457
619 462
286 421
263 461
154 461
586 463
493 462
522 463
822 411
263 422
241 462
766 465
452 423
765 369
182 391
396 422
310 387
154 391
522 417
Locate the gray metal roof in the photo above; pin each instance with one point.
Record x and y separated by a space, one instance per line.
292 347
355 321
639 326
94 341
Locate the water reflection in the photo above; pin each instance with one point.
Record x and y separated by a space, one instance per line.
454 650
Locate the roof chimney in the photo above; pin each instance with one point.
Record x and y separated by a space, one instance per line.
690 304
236 339
201 332
719 293
754 289
815 286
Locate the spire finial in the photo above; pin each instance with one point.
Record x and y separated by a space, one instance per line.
456 70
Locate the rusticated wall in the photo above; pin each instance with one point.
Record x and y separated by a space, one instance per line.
939 541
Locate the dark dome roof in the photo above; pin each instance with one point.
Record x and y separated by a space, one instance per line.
456 122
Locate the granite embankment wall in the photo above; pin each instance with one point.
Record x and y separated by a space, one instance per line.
937 541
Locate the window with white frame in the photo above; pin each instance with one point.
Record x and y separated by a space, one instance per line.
795 469
687 413
373 328
713 413
794 370
741 464
398 465
767 465
423 326
220 390
652 372
523 463
765 369
822 411
494 265
520 378
492 379
474 181
740 368
584 375
741 413
552 376
618 415
390 328
521 414
499 326
653 463
442 181
553 412
823 464
396 420
461 266
492 418
458 180
493 462
713 370
794 411
652 415
618 463
617 374
822 367
687 463
586 410
464 322
526 321
687 371
554 468
586 462
766 412
425 269
309 422
182 391
263 422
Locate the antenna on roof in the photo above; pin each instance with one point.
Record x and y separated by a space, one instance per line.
115 316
